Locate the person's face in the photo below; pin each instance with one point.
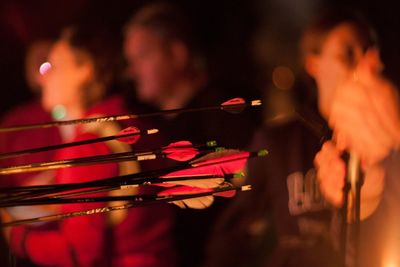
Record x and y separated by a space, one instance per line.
64 81
340 53
150 64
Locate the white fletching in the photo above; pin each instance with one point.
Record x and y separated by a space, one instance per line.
195 203
201 183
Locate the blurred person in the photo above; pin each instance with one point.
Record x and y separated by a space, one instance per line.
365 119
29 112
168 68
167 65
284 220
162 56
84 65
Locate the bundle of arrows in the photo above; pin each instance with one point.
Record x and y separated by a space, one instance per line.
204 172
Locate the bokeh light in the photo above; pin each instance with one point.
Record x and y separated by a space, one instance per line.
283 77
59 112
44 68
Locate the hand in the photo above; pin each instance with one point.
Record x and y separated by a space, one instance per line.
331 171
365 112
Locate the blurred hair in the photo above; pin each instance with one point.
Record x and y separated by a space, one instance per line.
315 34
95 43
170 23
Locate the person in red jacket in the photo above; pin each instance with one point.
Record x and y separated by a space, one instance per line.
29 112
76 86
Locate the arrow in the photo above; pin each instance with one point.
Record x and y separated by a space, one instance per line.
200 202
214 166
134 201
217 164
104 188
135 183
179 151
128 135
232 106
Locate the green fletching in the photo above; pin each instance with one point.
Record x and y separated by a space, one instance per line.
238 175
211 143
262 153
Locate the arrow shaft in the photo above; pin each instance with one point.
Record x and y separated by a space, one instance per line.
127 116
8 202
126 179
65 145
101 159
135 201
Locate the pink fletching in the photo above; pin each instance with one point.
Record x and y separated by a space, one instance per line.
181 151
183 190
217 166
129 139
183 154
234 106
234 101
178 144
230 193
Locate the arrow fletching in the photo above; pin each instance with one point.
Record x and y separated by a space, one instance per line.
128 135
201 202
193 203
216 164
237 105
181 151
131 135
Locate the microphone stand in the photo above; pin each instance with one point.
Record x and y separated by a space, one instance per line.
351 207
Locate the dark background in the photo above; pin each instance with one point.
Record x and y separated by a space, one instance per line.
243 39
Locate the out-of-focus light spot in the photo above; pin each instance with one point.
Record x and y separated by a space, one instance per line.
390 264
283 78
59 112
391 260
45 67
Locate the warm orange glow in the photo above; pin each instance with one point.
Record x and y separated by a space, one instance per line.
390 258
390 264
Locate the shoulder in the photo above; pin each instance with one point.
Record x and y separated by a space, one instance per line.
111 105
28 112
